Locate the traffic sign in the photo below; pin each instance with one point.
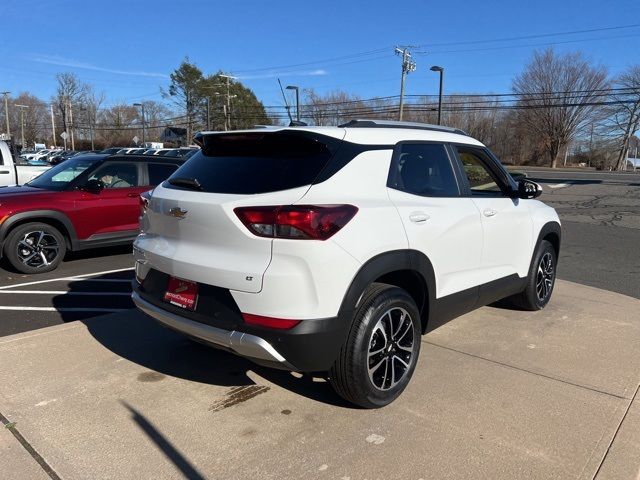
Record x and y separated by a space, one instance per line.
64 135
136 139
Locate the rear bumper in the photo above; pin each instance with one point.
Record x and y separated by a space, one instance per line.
241 343
310 346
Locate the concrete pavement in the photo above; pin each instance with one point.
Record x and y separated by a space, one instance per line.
497 394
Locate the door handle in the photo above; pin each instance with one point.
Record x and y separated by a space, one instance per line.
4 172
489 212
418 217
131 195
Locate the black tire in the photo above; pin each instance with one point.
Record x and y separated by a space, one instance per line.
35 248
382 306
540 281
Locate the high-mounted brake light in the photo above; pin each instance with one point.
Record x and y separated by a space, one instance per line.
270 322
297 222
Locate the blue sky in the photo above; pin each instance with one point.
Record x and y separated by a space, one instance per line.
128 48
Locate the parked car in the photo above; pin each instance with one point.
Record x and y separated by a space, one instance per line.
111 150
333 249
87 201
180 152
44 154
61 156
12 173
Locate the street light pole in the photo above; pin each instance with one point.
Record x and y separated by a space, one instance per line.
293 87
144 129
6 110
440 70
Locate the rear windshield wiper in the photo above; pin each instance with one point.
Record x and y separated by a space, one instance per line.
191 183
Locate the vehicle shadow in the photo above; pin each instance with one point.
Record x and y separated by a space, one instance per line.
138 338
98 252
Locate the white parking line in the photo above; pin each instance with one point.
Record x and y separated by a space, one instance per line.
74 277
559 185
66 292
64 309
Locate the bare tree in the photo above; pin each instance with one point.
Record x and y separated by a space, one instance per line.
70 93
558 96
626 116
118 125
35 119
331 109
157 116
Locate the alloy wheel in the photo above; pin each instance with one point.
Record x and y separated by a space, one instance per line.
38 249
390 348
545 277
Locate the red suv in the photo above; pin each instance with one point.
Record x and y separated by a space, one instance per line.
85 202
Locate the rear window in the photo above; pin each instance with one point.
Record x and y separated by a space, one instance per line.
256 162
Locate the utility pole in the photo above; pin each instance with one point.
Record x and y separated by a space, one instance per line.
73 143
591 145
22 107
53 126
6 111
227 123
208 115
88 112
408 66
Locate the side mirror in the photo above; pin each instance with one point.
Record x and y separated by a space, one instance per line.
528 189
93 186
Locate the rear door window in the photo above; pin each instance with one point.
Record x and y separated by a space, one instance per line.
256 162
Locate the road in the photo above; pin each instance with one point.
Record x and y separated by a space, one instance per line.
600 213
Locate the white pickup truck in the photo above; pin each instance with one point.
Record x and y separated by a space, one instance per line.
13 174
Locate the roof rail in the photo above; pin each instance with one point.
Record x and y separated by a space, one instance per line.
365 123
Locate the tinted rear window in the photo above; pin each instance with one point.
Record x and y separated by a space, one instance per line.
257 162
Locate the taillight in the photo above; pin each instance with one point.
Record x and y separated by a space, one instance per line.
299 222
270 322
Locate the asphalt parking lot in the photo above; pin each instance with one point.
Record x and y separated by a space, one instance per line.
600 213
497 393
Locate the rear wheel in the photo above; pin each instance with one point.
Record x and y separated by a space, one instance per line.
35 248
541 279
379 356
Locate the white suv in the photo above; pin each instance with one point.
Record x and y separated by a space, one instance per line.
333 249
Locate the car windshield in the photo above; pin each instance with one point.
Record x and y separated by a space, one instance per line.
58 177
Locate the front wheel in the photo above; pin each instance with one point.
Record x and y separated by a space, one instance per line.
35 248
380 354
541 279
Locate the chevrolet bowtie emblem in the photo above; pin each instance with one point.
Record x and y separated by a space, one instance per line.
177 212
